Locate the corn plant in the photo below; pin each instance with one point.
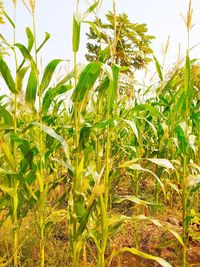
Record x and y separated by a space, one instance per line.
87 130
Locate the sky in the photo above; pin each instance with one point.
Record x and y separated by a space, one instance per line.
55 16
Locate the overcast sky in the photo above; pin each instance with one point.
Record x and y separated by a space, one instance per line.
55 16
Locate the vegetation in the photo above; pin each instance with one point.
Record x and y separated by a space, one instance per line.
91 174
119 41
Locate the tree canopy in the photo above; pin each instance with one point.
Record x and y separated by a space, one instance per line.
132 41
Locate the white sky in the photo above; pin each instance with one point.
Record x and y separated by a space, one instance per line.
55 16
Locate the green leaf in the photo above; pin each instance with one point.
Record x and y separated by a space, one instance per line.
52 133
84 220
104 54
76 31
4 40
103 124
48 73
6 74
86 81
8 119
70 75
20 77
89 10
30 37
26 54
182 138
8 18
31 89
158 68
47 36
187 74
113 87
8 154
168 84
147 107
51 94
179 104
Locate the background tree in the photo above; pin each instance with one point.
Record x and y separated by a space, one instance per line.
132 47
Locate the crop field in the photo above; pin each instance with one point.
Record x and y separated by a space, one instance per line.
96 167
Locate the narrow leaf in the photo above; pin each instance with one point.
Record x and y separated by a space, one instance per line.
134 251
51 94
8 119
6 74
52 133
76 31
133 127
47 36
86 81
158 68
48 73
162 162
147 107
20 77
89 10
30 37
31 89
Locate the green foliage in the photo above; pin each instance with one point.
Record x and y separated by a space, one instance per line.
78 137
132 45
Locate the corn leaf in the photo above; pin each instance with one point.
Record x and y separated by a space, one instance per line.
104 54
147 107
51 94
26 54
84 220
6 74
48 130
8 119
140 168
133 127
8 154
113 87
86 81
31 89
76 32
158 68
134 200
48 73
8 18
178 237
47 36
134 251
21 72
162 162
89 10
30 37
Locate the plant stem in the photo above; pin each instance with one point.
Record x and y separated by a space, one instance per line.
42 199
14 182
74 189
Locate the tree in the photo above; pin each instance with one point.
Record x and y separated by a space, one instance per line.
132 43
